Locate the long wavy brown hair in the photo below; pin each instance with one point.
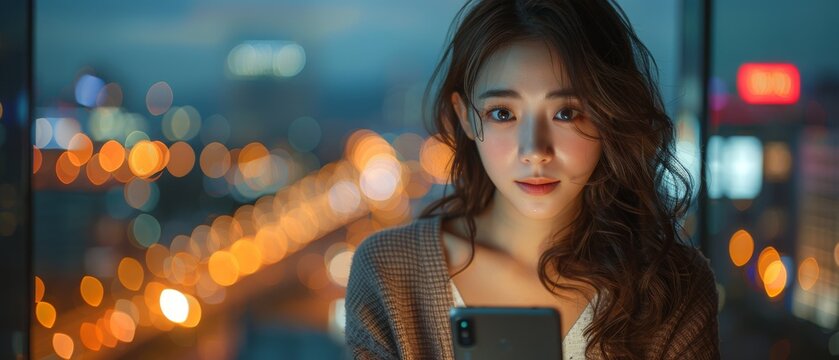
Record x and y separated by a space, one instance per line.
626 239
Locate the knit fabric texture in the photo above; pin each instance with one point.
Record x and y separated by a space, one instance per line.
398 300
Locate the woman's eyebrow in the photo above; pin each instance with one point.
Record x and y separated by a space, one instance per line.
513 94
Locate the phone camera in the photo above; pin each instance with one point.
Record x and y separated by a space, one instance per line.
465 332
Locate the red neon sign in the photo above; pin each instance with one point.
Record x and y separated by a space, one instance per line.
763 83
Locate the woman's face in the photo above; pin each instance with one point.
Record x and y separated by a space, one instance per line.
529 112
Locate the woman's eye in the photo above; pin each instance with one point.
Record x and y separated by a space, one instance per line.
567 114
500 114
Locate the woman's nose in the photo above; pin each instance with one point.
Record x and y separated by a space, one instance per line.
535 142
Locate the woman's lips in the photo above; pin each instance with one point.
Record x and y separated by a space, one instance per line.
537 189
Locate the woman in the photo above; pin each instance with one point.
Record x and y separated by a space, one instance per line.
564 177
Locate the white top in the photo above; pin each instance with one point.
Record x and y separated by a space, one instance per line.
574 343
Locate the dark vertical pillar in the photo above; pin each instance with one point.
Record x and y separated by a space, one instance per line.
15 167
695 69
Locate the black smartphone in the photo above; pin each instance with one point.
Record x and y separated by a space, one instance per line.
496 333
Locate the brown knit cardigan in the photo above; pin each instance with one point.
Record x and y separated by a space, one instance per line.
398 301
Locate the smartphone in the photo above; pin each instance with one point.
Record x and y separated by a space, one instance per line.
496 333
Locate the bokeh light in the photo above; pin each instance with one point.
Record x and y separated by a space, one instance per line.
271 243
155 256
87 89
65 170
775 278
253 160
224 268
338 261
215 160
777 161
104 325
436 158
111 155
181 123
37 159
408 146
90 336
836 253
109 96
182 159
95 173
45 313
263 58
247 256
122 326
808 273
381 177
130 273
741 247
39 289
63 131
42 133
289 60
183 268
123 174
145 230
419 182
159 98
193 316
137 193
174 305
344 197
135 137
145 158
63 345
80 149
767 256
91 290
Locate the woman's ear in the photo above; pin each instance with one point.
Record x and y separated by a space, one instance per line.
462 114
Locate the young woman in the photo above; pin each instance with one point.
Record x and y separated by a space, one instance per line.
566 193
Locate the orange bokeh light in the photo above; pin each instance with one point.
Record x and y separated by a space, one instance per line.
224 268
63 345
45 313
215 160
130 273
39 289
182 159
91 336
775 278
95 173
92 290
65 170
80 149
247 255
37 159
111 155
145 158
741 246
253 160
436 159
766 257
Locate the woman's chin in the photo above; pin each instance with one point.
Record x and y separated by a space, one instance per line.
537 212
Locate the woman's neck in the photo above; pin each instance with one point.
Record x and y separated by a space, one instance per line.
505 229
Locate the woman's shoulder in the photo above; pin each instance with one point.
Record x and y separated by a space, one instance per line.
700 269
402 246
700 293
